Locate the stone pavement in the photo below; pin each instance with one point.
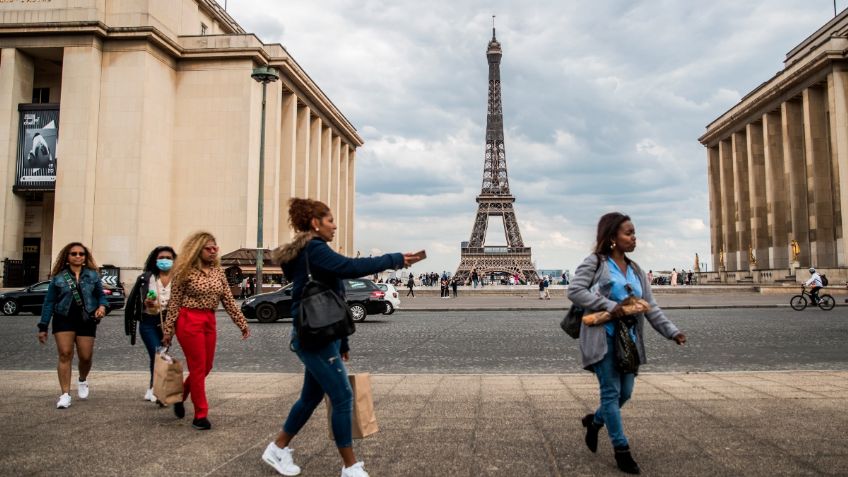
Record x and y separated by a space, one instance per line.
748 423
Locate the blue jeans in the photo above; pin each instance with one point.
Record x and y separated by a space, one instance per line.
325 374
151 335
616 389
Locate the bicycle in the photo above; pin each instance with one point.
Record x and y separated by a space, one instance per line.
799 302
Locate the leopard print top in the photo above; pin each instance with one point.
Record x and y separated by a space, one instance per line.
203 290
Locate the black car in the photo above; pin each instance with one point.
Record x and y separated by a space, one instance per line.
362 296
30 299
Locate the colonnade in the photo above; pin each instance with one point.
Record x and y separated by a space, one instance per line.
775 184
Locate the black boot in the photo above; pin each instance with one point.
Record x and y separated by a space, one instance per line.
179 410
625 460
592 430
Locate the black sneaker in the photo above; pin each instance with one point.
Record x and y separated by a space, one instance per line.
179 410
201 424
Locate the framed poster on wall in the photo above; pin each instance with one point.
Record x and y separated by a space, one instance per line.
38 133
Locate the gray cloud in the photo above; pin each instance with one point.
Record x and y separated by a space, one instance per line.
603 101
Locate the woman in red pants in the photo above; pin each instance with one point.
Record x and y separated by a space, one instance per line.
198 286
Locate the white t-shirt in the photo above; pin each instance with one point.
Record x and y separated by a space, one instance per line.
163 293
814 280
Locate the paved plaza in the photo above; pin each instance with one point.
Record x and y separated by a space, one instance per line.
722 424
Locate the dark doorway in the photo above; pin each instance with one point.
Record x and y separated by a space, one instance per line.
31 259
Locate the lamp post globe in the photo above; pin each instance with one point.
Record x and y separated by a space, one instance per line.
264 75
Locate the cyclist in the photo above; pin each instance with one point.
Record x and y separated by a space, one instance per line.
816 282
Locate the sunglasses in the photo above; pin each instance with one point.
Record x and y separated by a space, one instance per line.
77 254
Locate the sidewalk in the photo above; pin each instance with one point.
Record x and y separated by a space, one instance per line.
670 301
750 424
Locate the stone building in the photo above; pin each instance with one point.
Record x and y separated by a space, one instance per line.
127 124
778 169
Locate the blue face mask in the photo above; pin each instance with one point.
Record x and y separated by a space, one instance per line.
164 264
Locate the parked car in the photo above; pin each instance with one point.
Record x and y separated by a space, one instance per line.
362 296
392 298
30 299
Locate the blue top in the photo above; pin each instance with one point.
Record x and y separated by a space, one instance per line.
618 290
329 267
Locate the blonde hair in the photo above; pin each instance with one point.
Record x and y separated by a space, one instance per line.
62 259
188 260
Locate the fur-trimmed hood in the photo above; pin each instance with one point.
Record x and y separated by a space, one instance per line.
286 253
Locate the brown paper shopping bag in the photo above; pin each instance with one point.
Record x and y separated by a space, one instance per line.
364 420
167 379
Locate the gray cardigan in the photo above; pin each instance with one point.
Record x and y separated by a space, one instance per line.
590 289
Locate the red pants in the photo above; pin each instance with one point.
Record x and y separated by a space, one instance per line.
196 333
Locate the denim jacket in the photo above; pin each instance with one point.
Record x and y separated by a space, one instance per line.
59 296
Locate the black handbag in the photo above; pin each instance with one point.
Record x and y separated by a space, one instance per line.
324 316
626 353
574 318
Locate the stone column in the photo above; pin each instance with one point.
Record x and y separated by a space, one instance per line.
716 229
742 197
315 157
819 178
837 88
757 193
301 168
288 161
344 248
351 197
792 120
77 147
776 192
326 165
16 77
728 207
335 175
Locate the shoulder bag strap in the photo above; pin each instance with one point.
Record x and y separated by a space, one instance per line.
74 289
308 270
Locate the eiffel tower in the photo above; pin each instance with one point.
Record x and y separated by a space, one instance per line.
495 199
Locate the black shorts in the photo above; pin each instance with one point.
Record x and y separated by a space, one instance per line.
75 324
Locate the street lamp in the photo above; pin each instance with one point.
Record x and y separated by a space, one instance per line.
264 75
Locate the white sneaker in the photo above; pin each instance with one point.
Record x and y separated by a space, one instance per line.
148 396
64 401
82 389
280 459
356 470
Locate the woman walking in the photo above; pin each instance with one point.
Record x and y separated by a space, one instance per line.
75 302
147 303
198 286
616 278
325 371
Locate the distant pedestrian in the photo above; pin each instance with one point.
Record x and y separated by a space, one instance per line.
546 284
674 277
651 277
475 279
411 285
443 284
75 302
197 287
618 278
325 372
147 303
541 289
251 286
454 286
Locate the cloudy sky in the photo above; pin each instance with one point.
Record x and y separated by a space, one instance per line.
603 105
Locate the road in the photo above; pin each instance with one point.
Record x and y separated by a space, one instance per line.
528 342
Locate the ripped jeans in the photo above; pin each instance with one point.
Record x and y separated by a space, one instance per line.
325 374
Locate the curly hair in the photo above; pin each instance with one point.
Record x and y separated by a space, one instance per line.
607 230
62 259
302 211
150 263
189 258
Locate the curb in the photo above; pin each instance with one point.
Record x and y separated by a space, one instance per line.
679 307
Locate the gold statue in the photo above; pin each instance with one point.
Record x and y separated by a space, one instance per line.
697 263
751 257
796 250
721 257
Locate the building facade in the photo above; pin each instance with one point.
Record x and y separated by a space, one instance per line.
130 124
778 169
